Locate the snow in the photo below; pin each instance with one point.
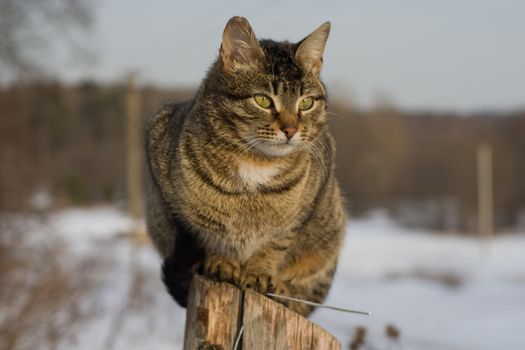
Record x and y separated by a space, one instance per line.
441 291
90 223
133 309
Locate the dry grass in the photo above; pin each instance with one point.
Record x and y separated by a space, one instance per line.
447 279
360 339
41 299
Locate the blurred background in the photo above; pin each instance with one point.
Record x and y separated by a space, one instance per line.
426 104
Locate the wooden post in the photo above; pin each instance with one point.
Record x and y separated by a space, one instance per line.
217 311
485 192
134 155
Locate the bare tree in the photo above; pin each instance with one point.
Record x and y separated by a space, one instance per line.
29 29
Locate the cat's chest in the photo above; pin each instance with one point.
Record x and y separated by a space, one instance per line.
253 174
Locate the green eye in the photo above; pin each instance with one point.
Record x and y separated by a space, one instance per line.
263 101
306 103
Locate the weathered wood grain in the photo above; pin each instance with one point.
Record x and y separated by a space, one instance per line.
213 315
270 325
216 312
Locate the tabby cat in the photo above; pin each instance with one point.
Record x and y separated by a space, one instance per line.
242 183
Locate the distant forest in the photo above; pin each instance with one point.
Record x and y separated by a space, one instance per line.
69 142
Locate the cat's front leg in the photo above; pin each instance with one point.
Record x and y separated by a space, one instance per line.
260 271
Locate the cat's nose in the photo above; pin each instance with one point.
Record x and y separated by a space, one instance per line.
289 131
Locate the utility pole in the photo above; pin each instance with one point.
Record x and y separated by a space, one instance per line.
134 153
485 192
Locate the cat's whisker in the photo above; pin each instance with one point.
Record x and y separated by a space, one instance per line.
252 144
327 148
216 139
334 114
225 139
316 157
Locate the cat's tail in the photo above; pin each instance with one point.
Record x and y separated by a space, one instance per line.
177 276
185 260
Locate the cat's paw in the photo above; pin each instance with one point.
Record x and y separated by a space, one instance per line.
222 269
280 288
258 281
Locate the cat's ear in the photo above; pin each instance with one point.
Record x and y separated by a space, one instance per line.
239 47
309 54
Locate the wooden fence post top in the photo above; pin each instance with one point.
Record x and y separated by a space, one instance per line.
217 311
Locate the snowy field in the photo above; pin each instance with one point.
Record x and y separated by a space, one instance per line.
441 291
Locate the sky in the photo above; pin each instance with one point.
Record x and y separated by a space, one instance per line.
419 54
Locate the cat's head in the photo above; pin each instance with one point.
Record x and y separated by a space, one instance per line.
270 92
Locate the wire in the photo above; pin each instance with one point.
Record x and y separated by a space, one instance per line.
320 305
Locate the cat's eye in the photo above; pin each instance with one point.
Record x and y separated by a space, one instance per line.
306 103
263 101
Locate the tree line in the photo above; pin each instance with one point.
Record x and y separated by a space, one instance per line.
68 142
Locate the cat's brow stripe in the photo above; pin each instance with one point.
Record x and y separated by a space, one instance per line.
275 87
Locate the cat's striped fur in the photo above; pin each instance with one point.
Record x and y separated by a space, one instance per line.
234 194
